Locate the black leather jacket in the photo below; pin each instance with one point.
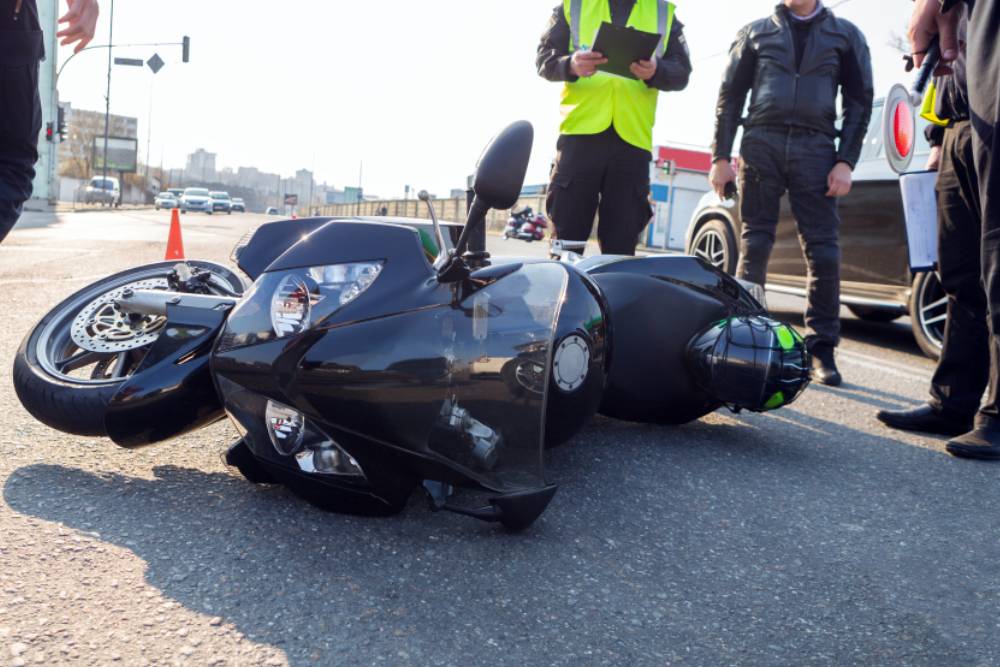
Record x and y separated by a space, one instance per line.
763 59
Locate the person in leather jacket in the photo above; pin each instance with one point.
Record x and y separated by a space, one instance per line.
794 64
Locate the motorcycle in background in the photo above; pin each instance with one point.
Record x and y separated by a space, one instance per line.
526 225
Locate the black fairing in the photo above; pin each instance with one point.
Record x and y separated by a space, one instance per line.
584 313
271 240
172 392
657 304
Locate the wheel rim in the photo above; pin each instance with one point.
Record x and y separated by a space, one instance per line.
711 247
89 341
933 305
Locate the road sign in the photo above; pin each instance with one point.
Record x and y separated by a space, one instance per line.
131 62
291 200
155 63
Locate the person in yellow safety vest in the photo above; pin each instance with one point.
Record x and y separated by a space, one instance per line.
606 136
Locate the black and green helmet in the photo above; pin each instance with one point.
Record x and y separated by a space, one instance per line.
750 363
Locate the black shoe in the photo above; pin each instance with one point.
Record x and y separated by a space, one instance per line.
925 419
825 367
981 443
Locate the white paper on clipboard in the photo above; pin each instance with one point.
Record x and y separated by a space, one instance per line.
920 211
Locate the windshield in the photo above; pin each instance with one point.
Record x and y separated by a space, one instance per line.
498 349
220 195
196 192
103 183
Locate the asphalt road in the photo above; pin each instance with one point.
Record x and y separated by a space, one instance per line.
807 536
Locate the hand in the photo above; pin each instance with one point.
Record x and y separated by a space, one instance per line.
720 176
82 20
644 69
927 21
934 159
839 180
585 63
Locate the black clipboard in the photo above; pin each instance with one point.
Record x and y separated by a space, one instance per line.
622 47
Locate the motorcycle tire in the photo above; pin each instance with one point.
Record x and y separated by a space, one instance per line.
78 405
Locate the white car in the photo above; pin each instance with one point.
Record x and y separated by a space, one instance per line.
221 202
105 191
196 199
166 199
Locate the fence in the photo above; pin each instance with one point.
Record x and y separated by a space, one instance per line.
452 210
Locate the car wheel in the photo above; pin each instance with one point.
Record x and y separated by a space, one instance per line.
714 243
929 312
875 313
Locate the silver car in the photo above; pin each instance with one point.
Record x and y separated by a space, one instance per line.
196 199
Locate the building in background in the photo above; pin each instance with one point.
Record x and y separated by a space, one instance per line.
83 128
46 183
200 167
678 181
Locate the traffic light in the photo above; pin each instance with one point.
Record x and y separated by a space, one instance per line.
186 49
49 132
61 124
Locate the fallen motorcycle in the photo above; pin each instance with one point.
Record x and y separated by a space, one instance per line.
365 357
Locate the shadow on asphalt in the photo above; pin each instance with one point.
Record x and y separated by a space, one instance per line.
761 541
896 336
880 400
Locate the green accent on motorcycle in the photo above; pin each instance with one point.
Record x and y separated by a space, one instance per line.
775 401
430 246
786 337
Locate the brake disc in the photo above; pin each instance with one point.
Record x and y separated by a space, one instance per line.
101 326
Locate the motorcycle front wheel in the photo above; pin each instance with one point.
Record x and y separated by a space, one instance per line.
72 363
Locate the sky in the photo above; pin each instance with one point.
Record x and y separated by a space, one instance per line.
413 90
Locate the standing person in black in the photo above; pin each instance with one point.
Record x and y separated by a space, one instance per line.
21 51
962 371
942 18
794 63
605 142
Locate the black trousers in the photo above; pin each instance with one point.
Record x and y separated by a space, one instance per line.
984 98
20 124
962 372
600 174
776 160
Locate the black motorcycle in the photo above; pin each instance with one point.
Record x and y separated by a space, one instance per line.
362 359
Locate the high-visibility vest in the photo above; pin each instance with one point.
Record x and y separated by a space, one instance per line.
590 105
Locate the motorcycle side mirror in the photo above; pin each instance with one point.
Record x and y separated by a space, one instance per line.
503 165
497 184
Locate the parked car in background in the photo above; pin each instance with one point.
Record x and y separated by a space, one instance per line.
271 211
103 190
877 284
238 205
221 202
166 199
196 199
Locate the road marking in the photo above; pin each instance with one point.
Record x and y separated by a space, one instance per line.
882 366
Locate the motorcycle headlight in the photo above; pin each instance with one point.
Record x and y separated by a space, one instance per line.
286 303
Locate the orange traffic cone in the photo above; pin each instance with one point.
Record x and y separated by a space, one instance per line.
175 244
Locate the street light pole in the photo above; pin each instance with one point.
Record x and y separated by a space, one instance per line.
107 97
